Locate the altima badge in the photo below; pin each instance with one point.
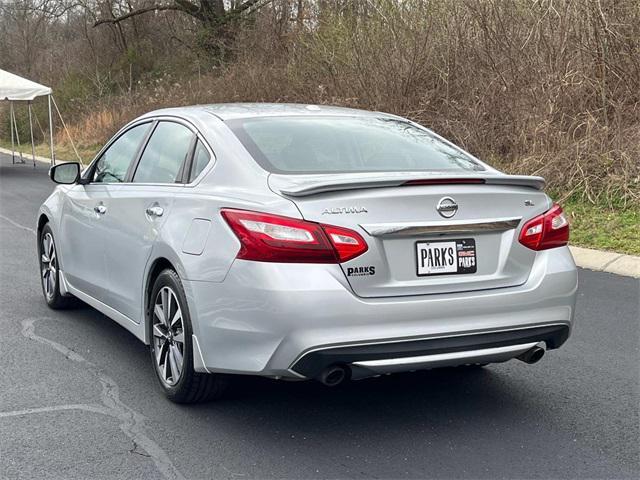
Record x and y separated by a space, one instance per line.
447 207
339 210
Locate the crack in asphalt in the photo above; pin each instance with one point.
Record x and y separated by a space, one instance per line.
16 224
87 407
136 451
132 422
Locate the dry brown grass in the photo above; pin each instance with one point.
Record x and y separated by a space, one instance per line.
545 87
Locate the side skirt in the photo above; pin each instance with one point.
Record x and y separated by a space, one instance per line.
137 329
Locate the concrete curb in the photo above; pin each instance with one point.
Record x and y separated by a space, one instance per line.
27 156
599 260
618 263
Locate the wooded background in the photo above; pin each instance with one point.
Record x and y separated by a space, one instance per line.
549 87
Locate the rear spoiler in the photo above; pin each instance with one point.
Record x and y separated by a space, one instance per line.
305 185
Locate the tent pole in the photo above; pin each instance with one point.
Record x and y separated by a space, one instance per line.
15 126
53 160
64 125
33 148
13 155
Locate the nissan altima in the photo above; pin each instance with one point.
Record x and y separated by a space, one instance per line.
305 242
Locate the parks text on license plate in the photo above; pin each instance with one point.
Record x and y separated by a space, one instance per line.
446 257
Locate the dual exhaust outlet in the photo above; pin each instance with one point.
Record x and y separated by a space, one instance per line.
533 355
336 374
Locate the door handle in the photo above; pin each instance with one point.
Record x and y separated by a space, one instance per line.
100 209
155 211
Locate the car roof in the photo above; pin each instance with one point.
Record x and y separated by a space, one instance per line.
232 111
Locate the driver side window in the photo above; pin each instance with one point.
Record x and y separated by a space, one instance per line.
113 164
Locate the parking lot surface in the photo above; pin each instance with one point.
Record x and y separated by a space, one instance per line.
79 398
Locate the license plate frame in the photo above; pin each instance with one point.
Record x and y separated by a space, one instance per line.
467 246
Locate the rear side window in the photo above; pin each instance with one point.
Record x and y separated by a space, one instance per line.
201 159
165 154
113 164
347 144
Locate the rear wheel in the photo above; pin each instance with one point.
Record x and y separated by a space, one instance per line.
49 271
172 348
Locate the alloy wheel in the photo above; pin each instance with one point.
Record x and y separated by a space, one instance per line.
168 336
48 265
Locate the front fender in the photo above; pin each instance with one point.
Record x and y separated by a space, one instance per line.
52 209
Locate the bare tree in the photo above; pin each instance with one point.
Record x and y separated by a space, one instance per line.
212 13
217 19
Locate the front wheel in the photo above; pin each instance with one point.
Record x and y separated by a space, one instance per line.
49 271
171 345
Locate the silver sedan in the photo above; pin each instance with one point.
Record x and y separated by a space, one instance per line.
305 242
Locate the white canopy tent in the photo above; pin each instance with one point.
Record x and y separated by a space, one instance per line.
14 88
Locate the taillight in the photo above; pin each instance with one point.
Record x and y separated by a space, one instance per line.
271 238
549 230
347 243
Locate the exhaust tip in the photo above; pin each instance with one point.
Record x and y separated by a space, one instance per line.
334 375
533 355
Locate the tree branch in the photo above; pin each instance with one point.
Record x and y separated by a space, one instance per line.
188 7
247 5
185 6
140 11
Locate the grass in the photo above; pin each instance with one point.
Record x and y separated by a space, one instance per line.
596 226
64 152
603 227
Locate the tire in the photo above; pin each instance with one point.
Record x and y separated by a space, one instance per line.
171 345
49 271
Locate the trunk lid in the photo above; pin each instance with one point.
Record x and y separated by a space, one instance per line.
405 232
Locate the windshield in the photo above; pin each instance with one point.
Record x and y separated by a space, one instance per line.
347 144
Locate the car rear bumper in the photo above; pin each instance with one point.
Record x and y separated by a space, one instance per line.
291 320
376 358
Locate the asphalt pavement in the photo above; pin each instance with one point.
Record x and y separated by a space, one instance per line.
79 398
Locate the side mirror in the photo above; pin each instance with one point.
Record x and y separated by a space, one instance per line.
65 173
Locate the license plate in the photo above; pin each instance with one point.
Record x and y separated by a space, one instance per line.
446 257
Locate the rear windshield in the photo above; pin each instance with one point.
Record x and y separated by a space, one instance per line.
346 144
